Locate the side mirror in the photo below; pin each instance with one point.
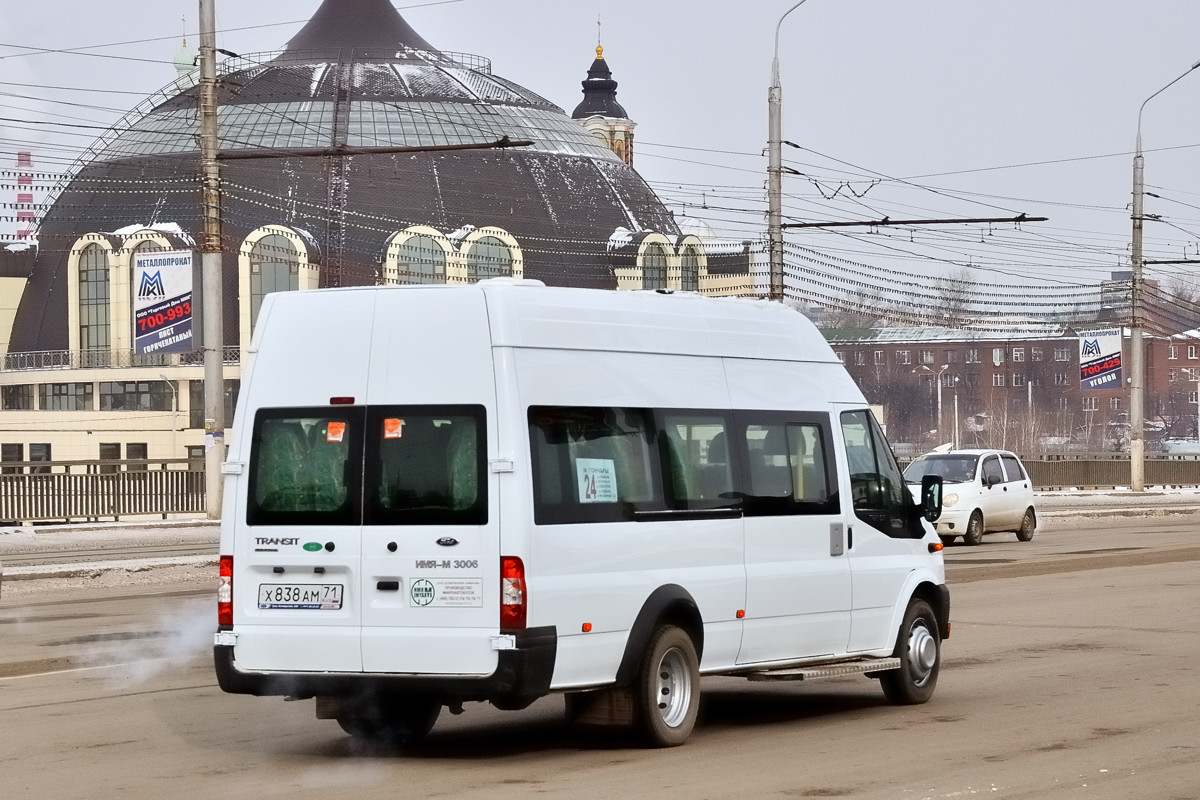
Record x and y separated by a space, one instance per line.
931 497
992 480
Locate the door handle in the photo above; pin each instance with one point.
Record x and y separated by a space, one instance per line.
388 586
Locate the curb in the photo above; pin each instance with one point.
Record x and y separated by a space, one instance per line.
129 566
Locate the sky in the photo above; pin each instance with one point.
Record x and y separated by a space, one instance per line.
909 109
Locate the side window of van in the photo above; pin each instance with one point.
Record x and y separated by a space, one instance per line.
1012 467
593 464
301 467
425 465
695 452
876 486
787 471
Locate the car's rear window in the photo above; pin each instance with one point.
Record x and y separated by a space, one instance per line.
1013 468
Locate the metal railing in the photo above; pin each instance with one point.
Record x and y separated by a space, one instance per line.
107 359
71 491
40 491
1106 470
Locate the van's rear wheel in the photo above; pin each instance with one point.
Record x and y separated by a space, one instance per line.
974 533
919 649
667 691
394 723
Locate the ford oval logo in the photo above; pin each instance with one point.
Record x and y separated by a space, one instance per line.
447 541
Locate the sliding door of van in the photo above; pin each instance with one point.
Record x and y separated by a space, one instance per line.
797 577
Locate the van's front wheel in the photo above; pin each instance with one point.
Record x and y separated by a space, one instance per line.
396 723
668 688
919 649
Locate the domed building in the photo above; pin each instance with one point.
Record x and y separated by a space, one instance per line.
359 155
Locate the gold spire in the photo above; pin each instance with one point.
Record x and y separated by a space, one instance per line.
599 52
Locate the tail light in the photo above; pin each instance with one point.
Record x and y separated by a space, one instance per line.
513 597
225 594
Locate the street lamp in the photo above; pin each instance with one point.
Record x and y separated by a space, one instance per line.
1137 365
174 408
937 376
775 168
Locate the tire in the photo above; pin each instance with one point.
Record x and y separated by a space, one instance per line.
973 535
947 540
919 648
667 688
1028 527
396 723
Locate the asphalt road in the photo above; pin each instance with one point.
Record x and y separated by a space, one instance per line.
1070 673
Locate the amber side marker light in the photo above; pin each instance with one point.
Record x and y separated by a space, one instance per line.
937 547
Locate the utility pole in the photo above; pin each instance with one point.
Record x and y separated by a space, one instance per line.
1137 366
1137 369
775 169
211 265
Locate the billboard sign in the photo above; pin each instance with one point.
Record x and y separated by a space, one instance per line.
1100 360
162 302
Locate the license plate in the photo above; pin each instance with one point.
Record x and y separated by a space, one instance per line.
315 596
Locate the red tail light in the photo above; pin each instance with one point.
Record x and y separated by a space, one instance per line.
225 594
513 597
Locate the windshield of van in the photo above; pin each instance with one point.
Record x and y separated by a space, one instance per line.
951 468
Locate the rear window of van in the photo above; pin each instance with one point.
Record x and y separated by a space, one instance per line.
380 465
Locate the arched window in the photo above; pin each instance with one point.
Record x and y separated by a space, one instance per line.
421 259
489 257
654 267
95 327
689 270
274 267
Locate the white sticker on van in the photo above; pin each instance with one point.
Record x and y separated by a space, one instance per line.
446 593
597 480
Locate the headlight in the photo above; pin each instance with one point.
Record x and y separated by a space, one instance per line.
949 500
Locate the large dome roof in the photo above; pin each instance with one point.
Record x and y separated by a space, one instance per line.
311 138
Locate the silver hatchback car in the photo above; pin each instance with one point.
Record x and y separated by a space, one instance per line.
985 491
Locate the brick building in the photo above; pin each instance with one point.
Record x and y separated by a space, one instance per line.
1020 391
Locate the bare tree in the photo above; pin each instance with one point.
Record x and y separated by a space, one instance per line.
956 293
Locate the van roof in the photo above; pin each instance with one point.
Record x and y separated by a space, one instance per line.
527 313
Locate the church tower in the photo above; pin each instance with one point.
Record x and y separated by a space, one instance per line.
601 114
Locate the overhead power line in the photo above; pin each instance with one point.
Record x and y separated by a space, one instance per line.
886 221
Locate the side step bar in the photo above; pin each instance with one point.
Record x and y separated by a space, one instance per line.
815 671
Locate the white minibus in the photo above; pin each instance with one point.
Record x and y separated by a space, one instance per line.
494 492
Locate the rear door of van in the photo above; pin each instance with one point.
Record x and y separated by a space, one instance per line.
296 483
430 569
